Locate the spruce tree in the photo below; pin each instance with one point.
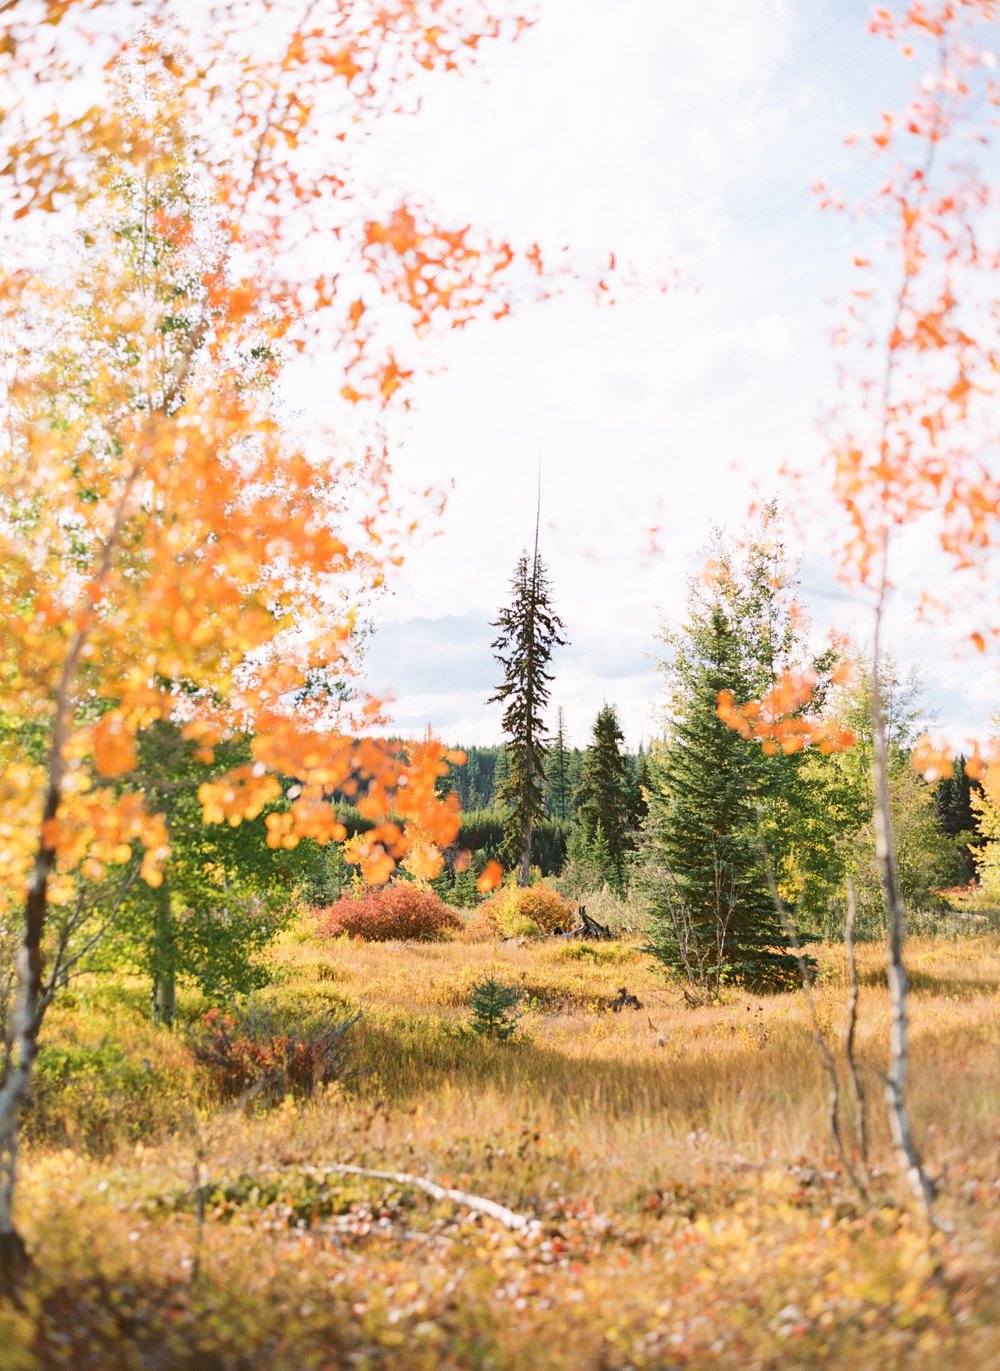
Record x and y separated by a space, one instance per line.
714 799
500 778
953 799
493 1007
605 802
641 781
558 797
575 769
529 629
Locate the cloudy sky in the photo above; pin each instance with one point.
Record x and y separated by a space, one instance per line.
666 131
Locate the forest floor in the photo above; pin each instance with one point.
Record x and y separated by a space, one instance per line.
691 1210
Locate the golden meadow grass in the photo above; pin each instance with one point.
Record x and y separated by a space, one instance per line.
692 1209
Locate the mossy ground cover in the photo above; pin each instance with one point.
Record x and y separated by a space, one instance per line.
691 1209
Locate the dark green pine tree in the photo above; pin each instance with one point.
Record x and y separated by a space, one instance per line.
713 795
606 795
500 778
575 768
953 798
529 629
558 801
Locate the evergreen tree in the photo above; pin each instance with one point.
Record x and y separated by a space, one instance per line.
589 858
714 797
575 769
606 796
529 629
493 1007
499 779
953 797
558 799
641 781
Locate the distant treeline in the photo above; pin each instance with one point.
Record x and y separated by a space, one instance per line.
479 782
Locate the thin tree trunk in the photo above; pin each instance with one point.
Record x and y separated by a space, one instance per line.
164 960
857 1086
22 1042
21 1048
885 846
526 854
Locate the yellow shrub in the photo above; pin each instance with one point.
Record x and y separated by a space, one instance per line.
527 912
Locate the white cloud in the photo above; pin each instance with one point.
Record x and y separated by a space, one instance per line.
650 126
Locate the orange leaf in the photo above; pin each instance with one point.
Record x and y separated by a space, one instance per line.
490 877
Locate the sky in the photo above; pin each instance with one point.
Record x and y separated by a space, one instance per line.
668 132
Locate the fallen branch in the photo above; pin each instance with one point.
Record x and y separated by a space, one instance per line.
519 1223
623 1000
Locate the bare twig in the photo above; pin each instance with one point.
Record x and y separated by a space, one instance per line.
833 1112
199 1200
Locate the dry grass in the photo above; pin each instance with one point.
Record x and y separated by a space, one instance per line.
693 1212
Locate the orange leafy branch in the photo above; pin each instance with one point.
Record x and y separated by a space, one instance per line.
931 342
779 721
190 544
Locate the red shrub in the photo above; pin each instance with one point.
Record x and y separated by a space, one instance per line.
392 911
255 1053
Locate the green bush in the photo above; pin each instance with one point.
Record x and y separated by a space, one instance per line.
97 1096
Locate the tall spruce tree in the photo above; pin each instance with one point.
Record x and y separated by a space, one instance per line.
529 629
713 796
575 770
606 793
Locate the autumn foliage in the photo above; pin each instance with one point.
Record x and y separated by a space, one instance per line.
910 448
175 550
398 910
529 910
187 213
252 1054
780 719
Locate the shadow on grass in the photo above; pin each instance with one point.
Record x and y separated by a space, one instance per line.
928 983
423 1058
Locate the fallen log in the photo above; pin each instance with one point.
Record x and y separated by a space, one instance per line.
589 928
623 1000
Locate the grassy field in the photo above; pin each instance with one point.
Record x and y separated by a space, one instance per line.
691 1208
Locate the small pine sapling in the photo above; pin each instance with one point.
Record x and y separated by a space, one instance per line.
493 1008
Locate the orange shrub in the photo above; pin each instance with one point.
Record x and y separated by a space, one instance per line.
399 910
526 912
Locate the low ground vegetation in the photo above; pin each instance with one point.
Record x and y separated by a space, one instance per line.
690 1208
